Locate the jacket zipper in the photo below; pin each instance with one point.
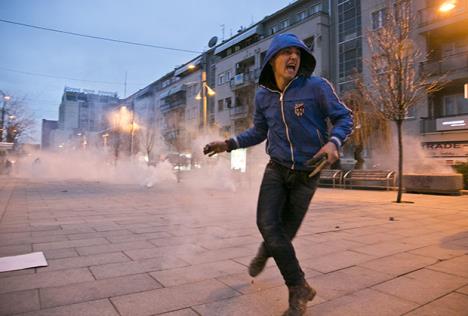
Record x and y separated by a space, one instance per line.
268 140
284 120
286 124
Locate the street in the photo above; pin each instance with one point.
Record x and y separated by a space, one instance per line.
177 250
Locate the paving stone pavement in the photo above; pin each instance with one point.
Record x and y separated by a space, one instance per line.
175 250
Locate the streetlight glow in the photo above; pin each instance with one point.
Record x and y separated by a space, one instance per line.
447 6
191 67
6 98
210 91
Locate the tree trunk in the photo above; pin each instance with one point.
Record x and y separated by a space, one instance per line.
400 161
358 157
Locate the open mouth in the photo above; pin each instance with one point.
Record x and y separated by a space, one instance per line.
291 67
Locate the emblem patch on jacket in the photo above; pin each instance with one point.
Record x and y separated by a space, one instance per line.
299 109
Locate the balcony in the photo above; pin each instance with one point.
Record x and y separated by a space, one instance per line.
173 105
444 124
238 112
430 18
244 79
454 66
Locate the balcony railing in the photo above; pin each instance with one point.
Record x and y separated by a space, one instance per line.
427 125
447 65
173 104
432 14
244 79
239 111
444 124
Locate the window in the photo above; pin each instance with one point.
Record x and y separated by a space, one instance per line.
71 97
309 42
283 24
454 104
221 79
228 103
274 29
378 19
221 105
315 8
411 113
349 20
301 16
350 59
103 99
228 76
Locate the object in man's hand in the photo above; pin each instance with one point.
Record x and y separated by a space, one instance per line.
207 149
213 148
317 163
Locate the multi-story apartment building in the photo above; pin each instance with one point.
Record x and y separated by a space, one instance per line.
82 113
442 28
238 60
440 33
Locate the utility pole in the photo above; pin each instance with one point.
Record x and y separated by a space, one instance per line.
222 30
125 85
132 129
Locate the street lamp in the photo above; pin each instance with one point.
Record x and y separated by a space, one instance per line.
447 6
5 98
204 91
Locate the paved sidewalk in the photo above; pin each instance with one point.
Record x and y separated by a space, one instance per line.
130 250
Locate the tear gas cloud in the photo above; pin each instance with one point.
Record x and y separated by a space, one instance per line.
101 165
415 158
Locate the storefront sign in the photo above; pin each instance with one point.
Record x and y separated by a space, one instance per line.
446 149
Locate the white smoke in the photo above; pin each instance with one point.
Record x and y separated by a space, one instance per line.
91 165
415 158
97 165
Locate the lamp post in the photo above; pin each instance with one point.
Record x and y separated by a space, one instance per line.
5 98
205 91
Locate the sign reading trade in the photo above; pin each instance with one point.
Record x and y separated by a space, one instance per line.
447 149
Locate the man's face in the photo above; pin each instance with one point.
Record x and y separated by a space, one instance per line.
286 63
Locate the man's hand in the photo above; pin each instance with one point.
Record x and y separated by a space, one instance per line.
214 148
331 151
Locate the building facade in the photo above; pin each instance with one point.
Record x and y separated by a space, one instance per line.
82 116
48 126
440 121
443 119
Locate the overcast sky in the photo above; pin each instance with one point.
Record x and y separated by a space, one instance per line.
179 24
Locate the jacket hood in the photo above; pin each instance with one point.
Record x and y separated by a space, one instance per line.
279 42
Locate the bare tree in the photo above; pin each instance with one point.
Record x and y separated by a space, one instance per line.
19 122
148 139
395 85
369 124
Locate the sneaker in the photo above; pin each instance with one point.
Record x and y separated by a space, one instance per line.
257 265
299 295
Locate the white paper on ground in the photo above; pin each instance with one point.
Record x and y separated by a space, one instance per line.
29 260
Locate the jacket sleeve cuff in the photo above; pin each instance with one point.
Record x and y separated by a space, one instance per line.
335 140
231 144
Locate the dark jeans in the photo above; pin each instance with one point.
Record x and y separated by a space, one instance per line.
283 201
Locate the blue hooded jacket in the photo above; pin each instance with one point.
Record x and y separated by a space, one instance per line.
294 121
